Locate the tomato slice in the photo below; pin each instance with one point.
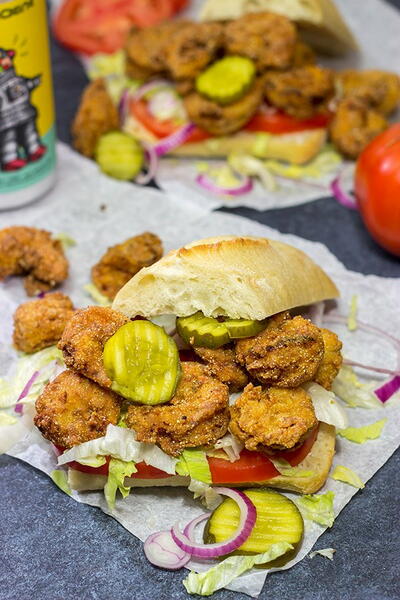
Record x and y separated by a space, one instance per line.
254 466
279 122
148 472
103 470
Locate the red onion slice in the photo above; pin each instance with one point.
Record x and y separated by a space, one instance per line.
248 516
344 198
19 406
161 550
388 389
174 140
245 186
152 164
150 85
190 527
123 106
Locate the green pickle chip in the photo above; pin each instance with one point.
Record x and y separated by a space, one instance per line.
119 155
227 80
142 362
207 332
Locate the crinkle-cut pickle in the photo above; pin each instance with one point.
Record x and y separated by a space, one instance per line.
278 520
227 80
142 362
207 332
119 155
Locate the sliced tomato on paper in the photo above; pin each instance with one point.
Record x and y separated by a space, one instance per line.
270 121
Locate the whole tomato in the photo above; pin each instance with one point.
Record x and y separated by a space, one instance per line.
377 188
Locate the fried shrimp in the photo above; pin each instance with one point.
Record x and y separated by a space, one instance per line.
96 115
123 261
354 125
266 38
331 361
223 120
32 252
273 418
40 323
192 48
145 49
378 89
221 363
197 415
286 354
300 92
303 55
83 340
72 410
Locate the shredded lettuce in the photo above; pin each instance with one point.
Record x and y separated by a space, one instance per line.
286 469
246 164
117 471
66 240
224 177
60 479
231 446
318 508
327 409
6 419
359 435
102 65
95 461
352 391
97 296
206 583
326 552
346 475
326 162
194 463
209 497
352 316
121 443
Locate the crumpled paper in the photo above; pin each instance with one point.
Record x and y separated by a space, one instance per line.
97 211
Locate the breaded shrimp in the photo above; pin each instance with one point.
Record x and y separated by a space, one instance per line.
72 410
32 252
221 363
303 55
354 125
266 38
286 355
96 115
379 89
300 92
123 261
273 418
331 361
83 340
197 415
40 323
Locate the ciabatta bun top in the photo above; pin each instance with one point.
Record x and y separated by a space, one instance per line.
319 21
239 277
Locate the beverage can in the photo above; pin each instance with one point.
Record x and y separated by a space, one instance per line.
27 121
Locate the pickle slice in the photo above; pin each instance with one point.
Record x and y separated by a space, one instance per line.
142 362
278 520
198 330
243 328
227 80
119 155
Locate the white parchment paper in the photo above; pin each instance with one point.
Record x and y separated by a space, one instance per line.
97 211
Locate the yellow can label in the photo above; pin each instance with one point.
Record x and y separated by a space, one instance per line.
27 133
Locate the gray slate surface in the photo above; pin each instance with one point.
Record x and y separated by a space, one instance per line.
52 548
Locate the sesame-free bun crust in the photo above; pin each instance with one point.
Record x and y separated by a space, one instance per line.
318 461
319 21
238 277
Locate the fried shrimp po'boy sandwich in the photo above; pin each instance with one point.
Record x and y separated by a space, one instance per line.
235 388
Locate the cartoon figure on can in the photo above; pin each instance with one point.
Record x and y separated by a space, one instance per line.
17 117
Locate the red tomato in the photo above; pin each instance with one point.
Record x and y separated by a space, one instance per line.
254 466
377 188
278 122
148 472
103 470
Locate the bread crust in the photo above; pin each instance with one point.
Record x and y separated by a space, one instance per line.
319 461
238 277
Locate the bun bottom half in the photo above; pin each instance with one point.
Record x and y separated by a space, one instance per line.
319 461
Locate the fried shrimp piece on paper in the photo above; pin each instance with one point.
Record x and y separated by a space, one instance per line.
331 360
72 410
123 261
83 340
273 418
197 414
354 126
300 92
145 49
285 355
223 120
40 323
222 364
32 252
379 89
192 48
266 38
96 115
